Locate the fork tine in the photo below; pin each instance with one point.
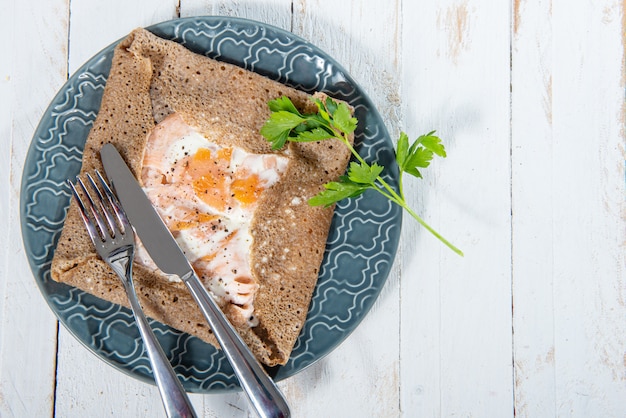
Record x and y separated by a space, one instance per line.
115 204
92 205
107 213
91 228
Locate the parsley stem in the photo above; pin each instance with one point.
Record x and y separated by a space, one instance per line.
344 139
387 195
390 189
430 229
402 203
398 199
400 185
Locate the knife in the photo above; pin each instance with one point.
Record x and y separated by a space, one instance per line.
264 395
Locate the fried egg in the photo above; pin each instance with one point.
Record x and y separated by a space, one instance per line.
207 195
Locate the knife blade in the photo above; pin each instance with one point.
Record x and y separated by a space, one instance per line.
264 395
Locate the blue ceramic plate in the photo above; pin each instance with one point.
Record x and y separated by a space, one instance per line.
361 245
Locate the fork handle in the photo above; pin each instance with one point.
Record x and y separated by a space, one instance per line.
261 390
174 397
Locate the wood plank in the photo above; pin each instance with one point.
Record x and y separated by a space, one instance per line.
6 133
351 33
86 386
589 188
456 312
272 12
148 402
532 137
276 13
585 217
532 191
93 26
325 388
33 46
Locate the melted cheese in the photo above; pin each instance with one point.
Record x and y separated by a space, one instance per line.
207 195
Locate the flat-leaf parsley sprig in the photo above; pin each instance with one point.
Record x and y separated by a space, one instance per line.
335 120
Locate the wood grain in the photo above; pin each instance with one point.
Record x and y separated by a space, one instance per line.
569 225
272 12
350 32
533 208
456 312
28 328
528 97
78 392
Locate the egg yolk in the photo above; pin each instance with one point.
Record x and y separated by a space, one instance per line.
207 195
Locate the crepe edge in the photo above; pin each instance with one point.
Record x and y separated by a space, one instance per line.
73 270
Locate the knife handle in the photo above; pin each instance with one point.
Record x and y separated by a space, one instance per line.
261 390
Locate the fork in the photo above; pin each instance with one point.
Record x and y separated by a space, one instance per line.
113 236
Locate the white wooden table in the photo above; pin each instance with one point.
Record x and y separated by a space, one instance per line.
529 99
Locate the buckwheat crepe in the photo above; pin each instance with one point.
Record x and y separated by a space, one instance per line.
151 78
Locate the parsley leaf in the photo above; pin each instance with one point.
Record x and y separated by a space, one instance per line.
343 119
363 173
283 103
432 143
337 190
277 129
421 157
419 154
316 134
402 150
331 105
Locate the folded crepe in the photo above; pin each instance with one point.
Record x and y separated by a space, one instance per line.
151 79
